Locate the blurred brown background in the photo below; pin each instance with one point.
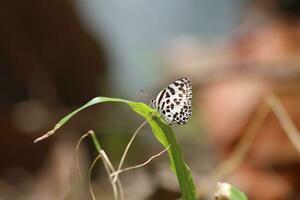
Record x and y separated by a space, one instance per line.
48 62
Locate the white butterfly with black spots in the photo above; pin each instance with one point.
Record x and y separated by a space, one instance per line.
174 102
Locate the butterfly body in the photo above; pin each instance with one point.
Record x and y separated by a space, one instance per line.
174 102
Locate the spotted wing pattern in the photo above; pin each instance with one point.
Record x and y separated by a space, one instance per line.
175 101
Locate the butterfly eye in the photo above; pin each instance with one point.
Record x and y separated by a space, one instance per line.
152 103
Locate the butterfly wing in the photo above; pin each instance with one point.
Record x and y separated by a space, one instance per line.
175 101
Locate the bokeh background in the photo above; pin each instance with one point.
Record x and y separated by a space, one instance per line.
56 55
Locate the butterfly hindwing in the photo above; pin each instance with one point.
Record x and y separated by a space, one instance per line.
175 101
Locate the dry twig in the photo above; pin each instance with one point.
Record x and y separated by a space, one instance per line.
76 153
241 149
90 182
285 120
140 165
116 185
128 146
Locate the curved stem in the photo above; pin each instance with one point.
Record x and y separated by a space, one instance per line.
128 146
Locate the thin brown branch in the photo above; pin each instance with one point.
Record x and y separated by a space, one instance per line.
128 146
242 148
285 120
90 173
111 170
117 186
76 153
140 165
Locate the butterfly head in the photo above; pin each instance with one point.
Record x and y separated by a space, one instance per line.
152 103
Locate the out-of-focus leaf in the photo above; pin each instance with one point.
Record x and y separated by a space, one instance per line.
226 191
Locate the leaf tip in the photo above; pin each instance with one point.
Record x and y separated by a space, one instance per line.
49 133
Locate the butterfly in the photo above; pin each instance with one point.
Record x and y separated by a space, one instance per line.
174 102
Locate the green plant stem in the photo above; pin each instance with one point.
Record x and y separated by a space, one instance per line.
95 141
162 132
118 192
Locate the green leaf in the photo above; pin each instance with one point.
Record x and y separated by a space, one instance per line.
162 132
237 194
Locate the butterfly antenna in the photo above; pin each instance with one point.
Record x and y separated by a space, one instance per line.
146 93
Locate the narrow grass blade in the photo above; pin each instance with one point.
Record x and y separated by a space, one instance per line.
162 132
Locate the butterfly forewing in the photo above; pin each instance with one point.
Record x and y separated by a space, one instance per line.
175 101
